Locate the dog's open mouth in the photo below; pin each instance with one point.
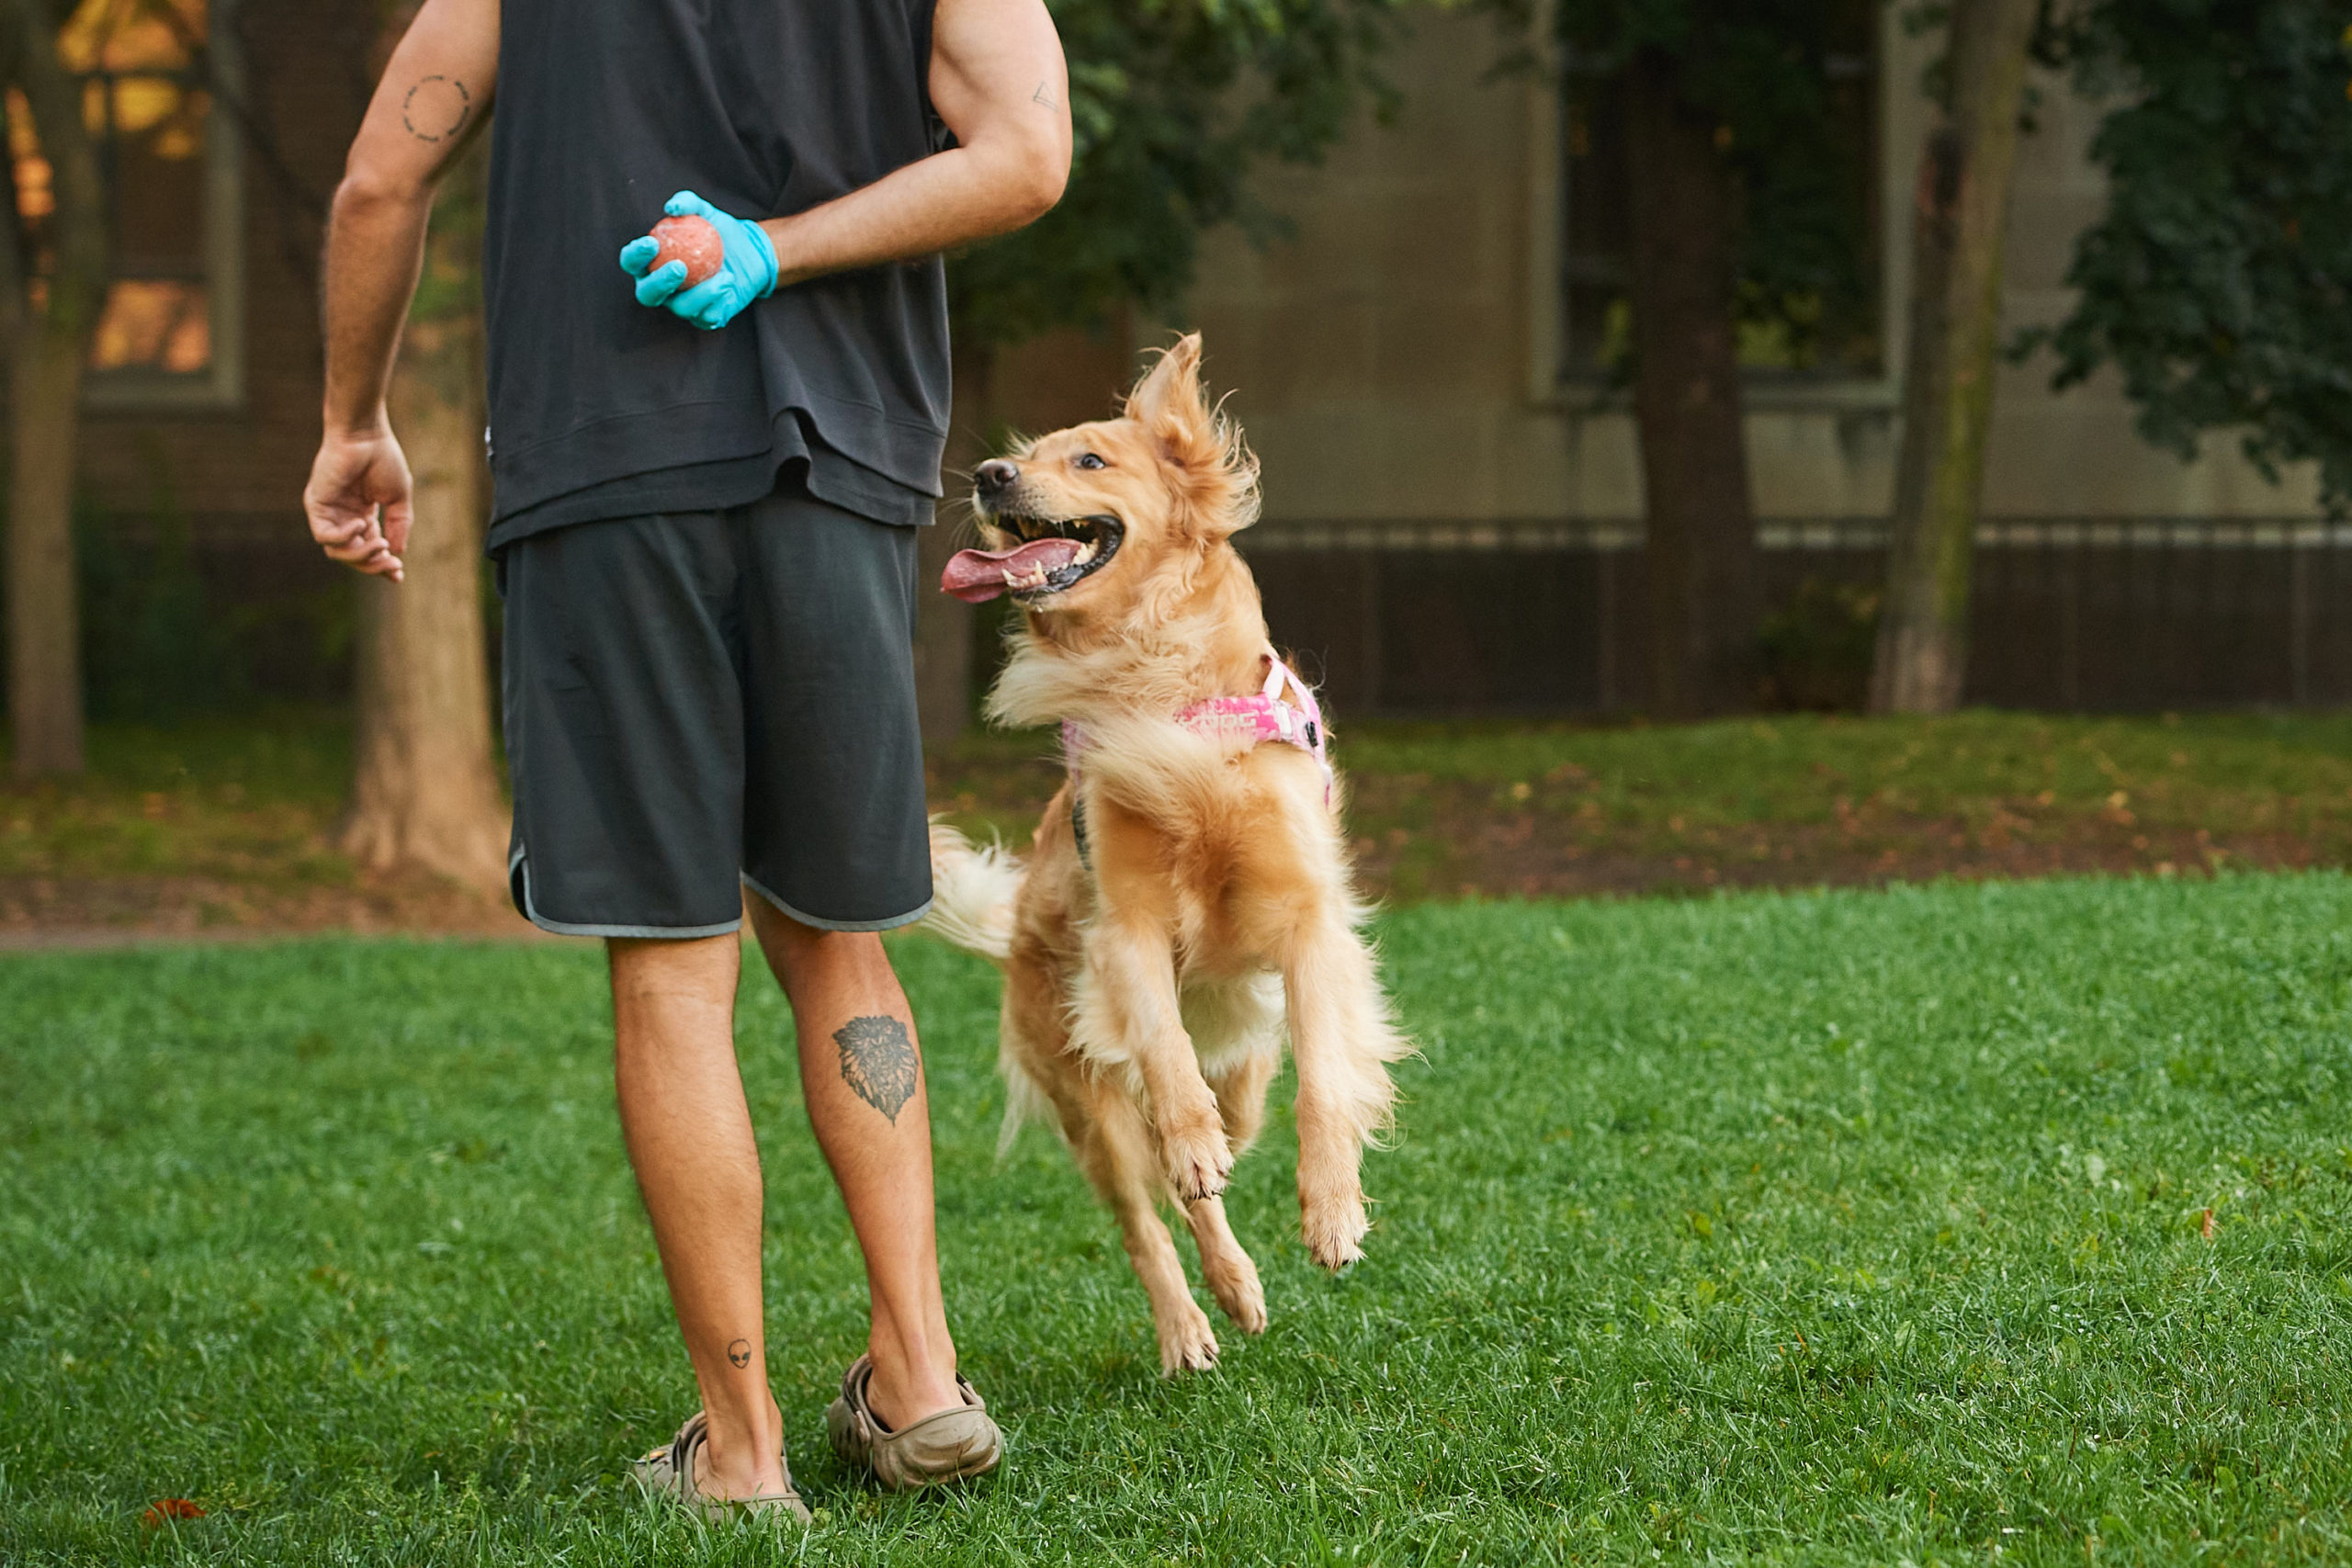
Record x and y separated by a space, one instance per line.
1053 555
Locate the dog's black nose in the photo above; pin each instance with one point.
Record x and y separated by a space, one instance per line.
996 476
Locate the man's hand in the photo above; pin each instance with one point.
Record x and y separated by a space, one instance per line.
998 81
433 100
748 272
358 502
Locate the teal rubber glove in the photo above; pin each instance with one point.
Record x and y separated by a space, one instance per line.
748 272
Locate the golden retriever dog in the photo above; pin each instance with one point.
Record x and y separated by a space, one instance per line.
1187 904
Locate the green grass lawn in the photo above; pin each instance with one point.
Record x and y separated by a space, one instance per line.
2232 769
1823 1227
249 798
1796 768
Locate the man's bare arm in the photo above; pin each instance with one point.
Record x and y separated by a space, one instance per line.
999 80
433 100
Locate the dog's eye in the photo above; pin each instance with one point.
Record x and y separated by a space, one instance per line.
1089 460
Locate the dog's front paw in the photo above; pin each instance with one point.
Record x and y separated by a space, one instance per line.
1187 1344
1199 1159
1333 1225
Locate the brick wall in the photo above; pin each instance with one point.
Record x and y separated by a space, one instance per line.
306 85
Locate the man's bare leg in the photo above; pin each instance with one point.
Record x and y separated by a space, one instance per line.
689 1136
861 1073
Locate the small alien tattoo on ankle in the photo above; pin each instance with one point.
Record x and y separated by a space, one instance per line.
740 1352
879 1063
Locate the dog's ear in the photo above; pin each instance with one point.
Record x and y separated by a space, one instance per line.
1167 402
1220 476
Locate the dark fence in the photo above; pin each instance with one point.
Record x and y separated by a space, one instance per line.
2093 614
1434 617
185 614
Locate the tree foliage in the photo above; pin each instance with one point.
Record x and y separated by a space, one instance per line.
1172 102
1767 72
2219 282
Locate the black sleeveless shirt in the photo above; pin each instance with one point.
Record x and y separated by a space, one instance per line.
764 108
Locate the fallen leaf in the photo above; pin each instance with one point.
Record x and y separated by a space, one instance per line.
2205 1226
168 1511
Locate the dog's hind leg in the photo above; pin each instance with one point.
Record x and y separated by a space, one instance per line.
1232 1274
1239 1083
1342 1039
1121 1160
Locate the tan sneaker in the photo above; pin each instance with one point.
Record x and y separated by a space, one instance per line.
669 1472
947 1445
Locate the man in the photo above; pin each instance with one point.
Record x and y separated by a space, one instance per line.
703 529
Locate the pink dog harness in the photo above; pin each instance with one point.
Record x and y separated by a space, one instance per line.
1267 715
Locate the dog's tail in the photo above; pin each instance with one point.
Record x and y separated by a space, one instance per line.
974 887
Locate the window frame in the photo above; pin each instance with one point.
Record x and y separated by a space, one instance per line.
221 387
1902 114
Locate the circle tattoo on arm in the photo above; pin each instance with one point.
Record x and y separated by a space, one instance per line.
437 108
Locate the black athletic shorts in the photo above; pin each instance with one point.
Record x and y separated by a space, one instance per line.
698 697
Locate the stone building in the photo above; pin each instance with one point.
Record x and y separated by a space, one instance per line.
1453 517
1453 510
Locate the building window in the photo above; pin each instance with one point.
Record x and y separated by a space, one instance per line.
171 333
1805 333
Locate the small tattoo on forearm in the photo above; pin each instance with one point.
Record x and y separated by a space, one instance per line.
740 1352
879 1063
437 108
1043 94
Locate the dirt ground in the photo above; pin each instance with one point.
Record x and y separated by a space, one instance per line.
1469 851
1466 847
66 911
1506 814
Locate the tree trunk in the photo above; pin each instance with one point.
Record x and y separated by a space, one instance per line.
1705 599
943 623
51 343
1957 237
424 789
44 623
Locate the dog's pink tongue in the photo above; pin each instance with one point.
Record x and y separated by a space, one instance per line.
974 576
